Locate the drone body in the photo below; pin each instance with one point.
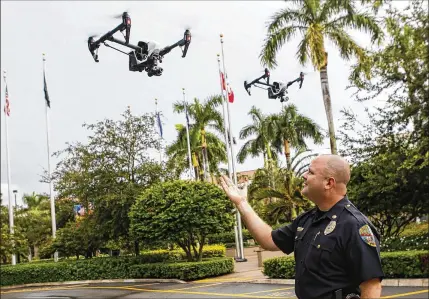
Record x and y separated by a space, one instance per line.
277 90
146 56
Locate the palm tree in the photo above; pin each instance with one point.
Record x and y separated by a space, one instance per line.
263 128
178 150
316 21
291 130
34 201
205 116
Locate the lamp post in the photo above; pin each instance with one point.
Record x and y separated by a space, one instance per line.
15 192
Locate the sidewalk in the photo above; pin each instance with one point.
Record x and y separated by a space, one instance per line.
250 272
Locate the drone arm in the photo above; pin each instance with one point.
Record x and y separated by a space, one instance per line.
109 34
185 41
296 80
167 49
257 81
111 38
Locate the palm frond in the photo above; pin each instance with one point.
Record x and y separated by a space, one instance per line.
284 17
247 131
346 45
303 51
274 41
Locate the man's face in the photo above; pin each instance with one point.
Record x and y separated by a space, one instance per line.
314 180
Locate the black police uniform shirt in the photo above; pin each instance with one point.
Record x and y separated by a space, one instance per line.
337 249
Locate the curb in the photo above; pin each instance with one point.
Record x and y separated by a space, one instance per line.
402 282
91 281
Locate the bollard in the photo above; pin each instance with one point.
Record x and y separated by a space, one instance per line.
259 254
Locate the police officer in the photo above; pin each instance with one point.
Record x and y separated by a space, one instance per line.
336 248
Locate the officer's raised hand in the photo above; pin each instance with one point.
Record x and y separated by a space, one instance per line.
232 191
260 231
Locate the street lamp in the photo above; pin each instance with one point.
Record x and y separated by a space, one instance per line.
14 192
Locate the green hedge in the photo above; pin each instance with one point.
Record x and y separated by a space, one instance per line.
155 256
111 268
184 271
99 268
401 264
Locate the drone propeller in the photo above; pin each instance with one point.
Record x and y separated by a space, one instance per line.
119 16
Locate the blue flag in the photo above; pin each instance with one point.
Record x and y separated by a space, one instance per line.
159 123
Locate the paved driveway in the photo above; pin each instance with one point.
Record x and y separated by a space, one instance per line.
198 289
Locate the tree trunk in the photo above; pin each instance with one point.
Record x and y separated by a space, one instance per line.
287 153
328 107
36 252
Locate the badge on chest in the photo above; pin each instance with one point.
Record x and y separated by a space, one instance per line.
330 227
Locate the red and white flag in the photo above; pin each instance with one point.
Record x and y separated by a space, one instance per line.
230 94
6 106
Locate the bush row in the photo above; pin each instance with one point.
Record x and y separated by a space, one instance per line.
162 255
184 271
157 256
400 264
112 268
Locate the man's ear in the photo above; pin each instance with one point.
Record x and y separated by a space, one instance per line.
330 183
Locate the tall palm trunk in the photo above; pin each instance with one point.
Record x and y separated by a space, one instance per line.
205 156
288 181
270 165
287 152
328 106
195 164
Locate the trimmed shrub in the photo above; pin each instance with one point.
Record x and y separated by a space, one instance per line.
111 268
102 267
184 270
401 264
405 264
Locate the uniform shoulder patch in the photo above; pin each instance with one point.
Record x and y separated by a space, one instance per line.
367 236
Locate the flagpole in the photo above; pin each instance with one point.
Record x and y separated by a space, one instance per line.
240 232
11 225
51 193
187 135
237 240
224 120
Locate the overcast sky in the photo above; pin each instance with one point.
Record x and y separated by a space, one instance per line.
84 91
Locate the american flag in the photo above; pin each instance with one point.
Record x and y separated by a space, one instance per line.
6 106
